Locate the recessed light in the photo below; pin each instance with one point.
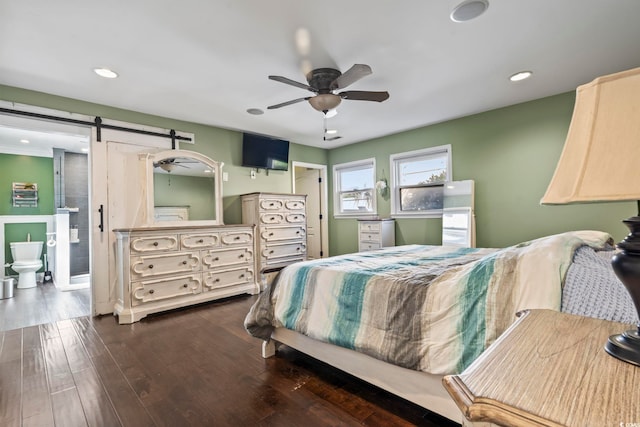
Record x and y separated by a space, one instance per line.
84 150
24 141
468 10
520 75
331 131
255 111
106 73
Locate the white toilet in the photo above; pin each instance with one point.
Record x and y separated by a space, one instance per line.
26 261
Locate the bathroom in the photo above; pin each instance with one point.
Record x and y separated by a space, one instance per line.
57 163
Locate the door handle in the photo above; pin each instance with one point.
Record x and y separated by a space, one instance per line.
101 226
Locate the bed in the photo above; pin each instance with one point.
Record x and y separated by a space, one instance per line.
401 318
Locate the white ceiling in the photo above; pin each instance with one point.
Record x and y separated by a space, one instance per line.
208 61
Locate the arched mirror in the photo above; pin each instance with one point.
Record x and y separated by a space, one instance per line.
183 187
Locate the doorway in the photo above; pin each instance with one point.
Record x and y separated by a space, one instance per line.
311 179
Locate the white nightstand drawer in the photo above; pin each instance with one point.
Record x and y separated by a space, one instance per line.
197 241
366 226
228 257
369 246
221 279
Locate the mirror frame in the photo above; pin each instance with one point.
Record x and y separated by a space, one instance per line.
147 162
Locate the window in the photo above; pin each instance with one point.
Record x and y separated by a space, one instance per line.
417 181
354 193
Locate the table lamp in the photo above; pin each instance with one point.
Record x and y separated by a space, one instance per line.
600 162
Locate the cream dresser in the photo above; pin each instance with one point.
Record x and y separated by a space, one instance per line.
161 268
376 234
281 228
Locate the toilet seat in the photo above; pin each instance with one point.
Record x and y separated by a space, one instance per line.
27 264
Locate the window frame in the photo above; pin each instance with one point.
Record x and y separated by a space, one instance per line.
337 207
395 159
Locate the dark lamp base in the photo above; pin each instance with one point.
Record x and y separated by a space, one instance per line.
625 346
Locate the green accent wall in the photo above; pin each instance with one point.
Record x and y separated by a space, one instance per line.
510 152
38 170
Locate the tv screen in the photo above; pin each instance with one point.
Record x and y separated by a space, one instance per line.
263 152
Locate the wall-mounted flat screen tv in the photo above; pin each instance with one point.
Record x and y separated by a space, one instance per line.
263 152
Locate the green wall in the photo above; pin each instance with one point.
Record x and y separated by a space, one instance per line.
25 169
511 153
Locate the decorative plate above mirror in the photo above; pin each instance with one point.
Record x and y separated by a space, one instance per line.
182 187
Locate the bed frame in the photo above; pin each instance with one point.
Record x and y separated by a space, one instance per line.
421 388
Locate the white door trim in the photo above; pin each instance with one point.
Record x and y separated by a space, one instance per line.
324 208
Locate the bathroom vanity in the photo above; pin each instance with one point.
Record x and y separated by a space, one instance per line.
174 260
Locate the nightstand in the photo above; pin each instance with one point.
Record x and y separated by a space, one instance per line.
376 234
549 369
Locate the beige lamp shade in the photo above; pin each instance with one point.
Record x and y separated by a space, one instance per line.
601 156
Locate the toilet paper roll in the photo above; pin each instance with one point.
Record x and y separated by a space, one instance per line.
51 243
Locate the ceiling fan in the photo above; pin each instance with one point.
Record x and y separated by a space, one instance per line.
169 165
325 81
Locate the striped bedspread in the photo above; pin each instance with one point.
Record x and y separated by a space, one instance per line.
427 308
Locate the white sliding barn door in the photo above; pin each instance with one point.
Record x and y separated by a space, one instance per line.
116 190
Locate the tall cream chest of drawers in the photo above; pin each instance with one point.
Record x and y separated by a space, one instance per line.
376 234
161 268
281 228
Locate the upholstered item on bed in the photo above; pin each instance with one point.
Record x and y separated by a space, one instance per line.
427 308
593 290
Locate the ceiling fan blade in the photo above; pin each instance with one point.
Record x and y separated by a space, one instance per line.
292 83
363 95
284 104
351 76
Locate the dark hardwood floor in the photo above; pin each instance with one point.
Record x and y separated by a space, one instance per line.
42 304
191 367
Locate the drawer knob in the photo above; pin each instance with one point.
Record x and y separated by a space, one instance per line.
185 286
216 281
201 241
270 234
273 218
298 232
151 291
241 256
241 276
271 251
237 238
216 259
184 262
155 243
150 265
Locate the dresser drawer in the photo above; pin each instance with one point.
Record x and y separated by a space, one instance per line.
275 234
227 257
236 238
198 241
154 243
271 205
295 218
369 226
294 205
221 279
370 237
369 246
155 265
157 290
284 250
271 218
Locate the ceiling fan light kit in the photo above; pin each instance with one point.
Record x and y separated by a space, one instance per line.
325 102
